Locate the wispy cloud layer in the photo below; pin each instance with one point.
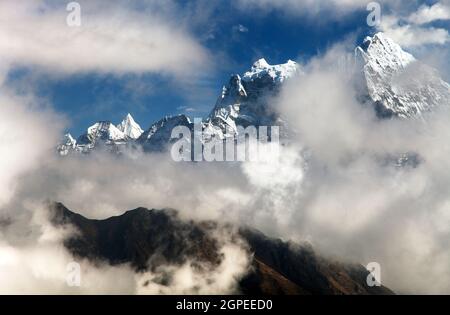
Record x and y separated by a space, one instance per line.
111 39
413 30
426 14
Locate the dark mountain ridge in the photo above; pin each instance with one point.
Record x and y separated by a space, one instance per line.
147 239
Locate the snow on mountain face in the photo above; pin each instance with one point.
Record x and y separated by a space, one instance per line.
68 144
69 140
396 82
102 131
130 128
158 136
246 101
227 107
278 73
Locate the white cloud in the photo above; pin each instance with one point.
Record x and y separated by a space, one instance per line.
111 39
190 279
342 199
426 14
39 266
406 28
410 35
240 28
27 134
411 31
353 204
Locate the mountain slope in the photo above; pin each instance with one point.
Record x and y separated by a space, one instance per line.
149 238
397 83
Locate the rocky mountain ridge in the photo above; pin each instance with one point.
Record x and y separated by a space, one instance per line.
392 81
148 239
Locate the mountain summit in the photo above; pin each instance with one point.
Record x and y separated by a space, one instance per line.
392 81
246 101
130 128
276 73
397 83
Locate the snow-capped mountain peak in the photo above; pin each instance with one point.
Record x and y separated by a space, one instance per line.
385 51
278 73
244 101
130 128
103 131
68 143
69 140
261 64
397 83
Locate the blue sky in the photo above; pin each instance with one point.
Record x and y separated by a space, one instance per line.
234 38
